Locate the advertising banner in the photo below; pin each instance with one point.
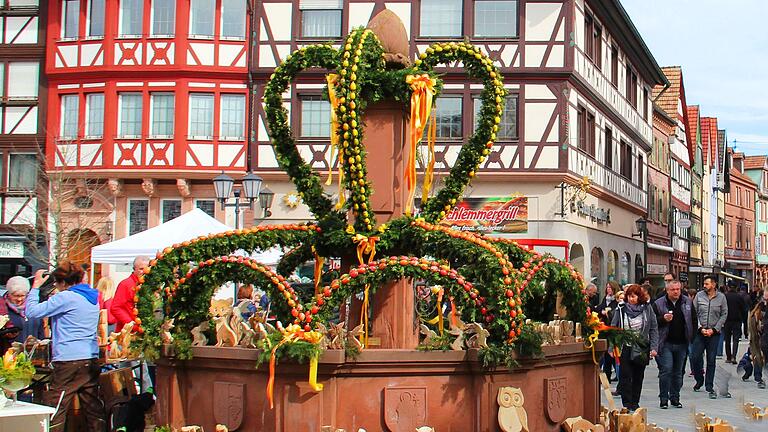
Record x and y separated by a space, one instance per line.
490 215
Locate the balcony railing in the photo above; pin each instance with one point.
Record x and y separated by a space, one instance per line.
584 166
738 253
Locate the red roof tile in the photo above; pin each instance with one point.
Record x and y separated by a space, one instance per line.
693 117
755 162
669 99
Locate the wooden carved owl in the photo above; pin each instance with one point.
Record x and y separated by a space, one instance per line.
512 415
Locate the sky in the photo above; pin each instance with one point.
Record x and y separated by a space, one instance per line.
722 47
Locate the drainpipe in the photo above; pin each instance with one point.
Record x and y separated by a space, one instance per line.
250 40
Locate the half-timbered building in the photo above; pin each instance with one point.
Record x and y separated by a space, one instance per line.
579 78
756 168
698 242
709 202
23 220
672 101
739 221
148 102
659 254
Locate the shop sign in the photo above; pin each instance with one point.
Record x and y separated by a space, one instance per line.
683 277
490 215
11 250
594 213
657 268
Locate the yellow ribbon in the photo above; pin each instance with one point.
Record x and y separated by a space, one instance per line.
332 79
423 87
294 333
365 245
429 172
318 269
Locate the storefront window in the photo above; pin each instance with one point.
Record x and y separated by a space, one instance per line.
613 257
625 261
576 257
596 267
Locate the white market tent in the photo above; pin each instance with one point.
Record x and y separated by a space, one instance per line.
188 226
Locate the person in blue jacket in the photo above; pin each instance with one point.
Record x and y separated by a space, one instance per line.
74 317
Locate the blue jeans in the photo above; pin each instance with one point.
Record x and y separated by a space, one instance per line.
709 344
671 361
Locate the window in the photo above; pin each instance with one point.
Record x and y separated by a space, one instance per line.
738 196
593 40
233 19
626 160
508 126
608 148
162 107
71 19
315 117
652 205
171 209
738 235
645 104
441 18
615 66
448 117
163 17
70 107
208 206
131 17
631 84
201 115
23 79
640 167
138 215
96 18
233 117
664 208
201 13
728 235
748 237
581 127
495 19
130 115
94 105
22 174
591 134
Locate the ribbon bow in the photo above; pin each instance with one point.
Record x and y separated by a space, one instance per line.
597 326
423 87
294 333
365 246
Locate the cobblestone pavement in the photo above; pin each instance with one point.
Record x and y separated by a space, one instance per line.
727 409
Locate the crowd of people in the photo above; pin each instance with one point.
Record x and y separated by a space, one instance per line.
675 325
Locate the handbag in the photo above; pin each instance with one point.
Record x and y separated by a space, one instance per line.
641 351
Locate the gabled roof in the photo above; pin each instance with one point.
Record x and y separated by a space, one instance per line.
667 99
706 137
721 149
755 162
693 123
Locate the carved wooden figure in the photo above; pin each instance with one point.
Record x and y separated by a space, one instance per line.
479 336
754 412
198 334
249 336
578 424
165 331
625 422
234 323
353 337
102 334
429 334
225 336
512 416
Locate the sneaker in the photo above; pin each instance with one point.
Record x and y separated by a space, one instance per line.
663 405
761 385
698 387
676 404
712 395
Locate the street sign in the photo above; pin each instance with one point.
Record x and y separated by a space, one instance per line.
683 223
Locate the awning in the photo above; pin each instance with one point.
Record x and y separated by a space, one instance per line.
739 262
660 247
700 269
733 276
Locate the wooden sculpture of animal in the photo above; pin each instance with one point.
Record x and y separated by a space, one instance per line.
234 323
353 337
458 343
102 332
221 307
578 424
429 334
198 334
225 336
625 422
165 331
479 336
249 337
336 336
512 416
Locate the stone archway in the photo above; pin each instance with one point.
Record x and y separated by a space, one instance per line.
576 257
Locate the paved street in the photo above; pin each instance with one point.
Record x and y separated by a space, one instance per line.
728 409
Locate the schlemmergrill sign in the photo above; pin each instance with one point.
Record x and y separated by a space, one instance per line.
490 215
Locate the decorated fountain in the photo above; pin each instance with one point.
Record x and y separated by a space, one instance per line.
353 353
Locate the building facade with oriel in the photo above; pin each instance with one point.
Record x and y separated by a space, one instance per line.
756 168
577 125
24 243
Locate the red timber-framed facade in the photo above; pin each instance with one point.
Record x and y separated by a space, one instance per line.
579 77
148 102
23 216
740 222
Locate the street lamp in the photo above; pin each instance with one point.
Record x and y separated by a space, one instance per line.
641 225
265 201
642 231
251 186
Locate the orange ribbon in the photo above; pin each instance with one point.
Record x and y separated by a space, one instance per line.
423 87
294 333
332 79
365 245
319 261
426 187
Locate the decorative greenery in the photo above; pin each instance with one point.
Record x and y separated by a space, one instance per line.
16 367
491 281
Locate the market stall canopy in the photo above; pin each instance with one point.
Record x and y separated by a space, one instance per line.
188 226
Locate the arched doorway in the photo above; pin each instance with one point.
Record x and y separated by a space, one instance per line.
613 262
576 257
626 262
639 267
79 245
596 267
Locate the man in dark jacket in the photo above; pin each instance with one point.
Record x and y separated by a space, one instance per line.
677 323
732 327
744 293
711 312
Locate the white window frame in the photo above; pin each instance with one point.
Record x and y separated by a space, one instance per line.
64 22
213 23
120 34
62 136
221 24
222 137
120 133
152 114
189 117
88 115
88 19
18 79
8 174
152 22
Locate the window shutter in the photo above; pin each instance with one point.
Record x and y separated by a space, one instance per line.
320 4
